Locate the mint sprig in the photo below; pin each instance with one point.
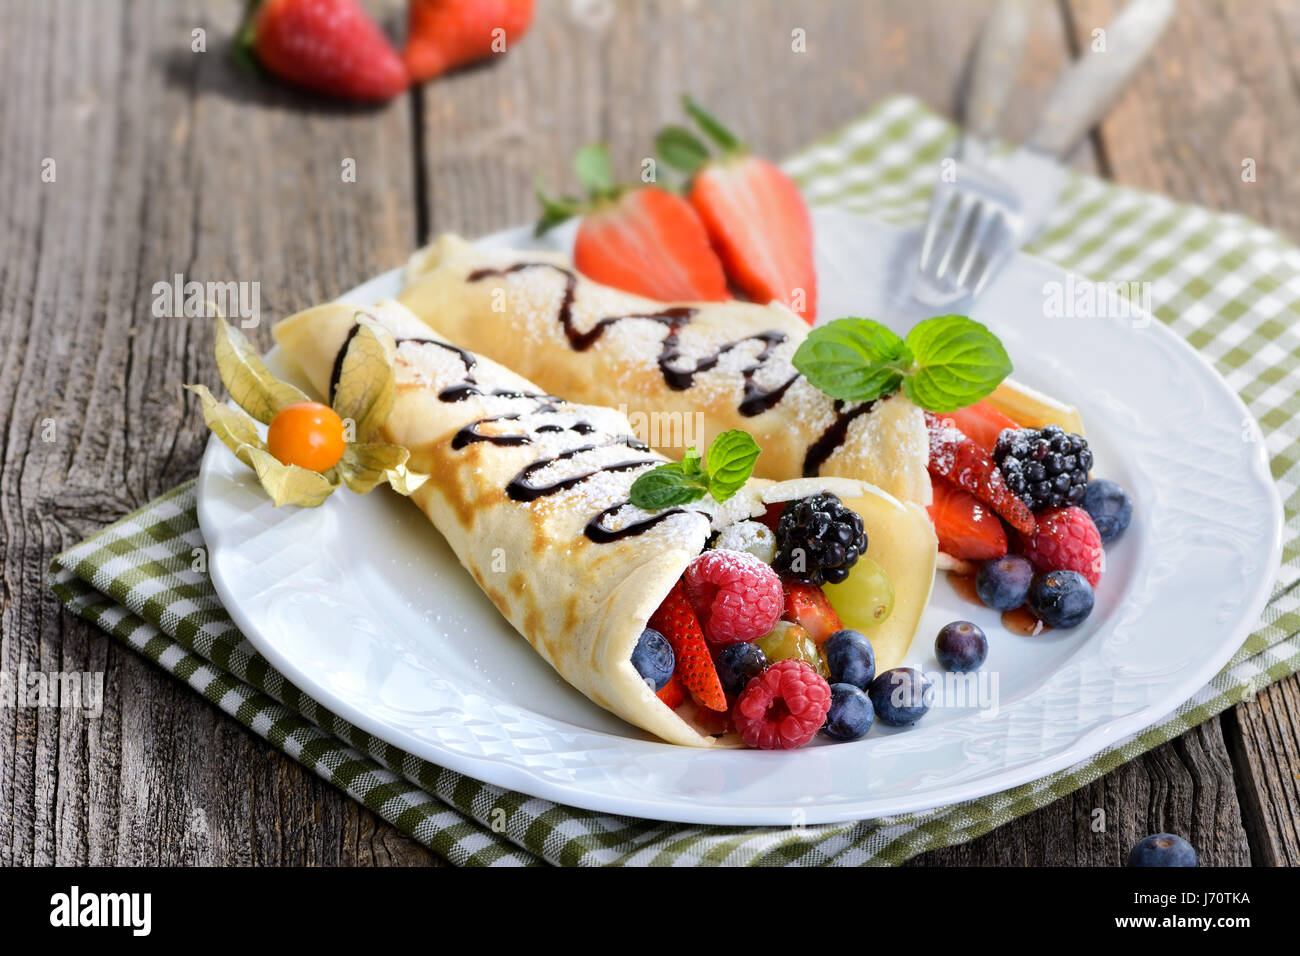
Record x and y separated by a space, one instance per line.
721 473
945 363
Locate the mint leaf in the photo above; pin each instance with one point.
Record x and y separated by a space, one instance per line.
853 359
666 486
730 463
958 362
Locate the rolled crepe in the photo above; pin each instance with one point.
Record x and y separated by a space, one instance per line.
722 364
515 468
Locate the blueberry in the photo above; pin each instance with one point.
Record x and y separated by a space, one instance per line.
961 647
653 659
1109 506
850 658
737 664
1060 598
851 713
1003 583
900 696
1162 849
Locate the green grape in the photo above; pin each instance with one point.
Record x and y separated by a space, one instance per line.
788 641
865 598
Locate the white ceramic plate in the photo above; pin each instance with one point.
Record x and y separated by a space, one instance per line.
362 605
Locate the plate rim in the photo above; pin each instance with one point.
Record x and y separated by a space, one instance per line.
527 780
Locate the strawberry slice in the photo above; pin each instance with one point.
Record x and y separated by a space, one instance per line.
754 214
981 423
643 240
329 46
444 34
672 694
676 621
807 605
966 528
969 467
652 243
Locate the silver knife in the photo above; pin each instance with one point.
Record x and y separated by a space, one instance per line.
994 69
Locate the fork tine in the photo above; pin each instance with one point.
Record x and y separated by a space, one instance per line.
961 224
939 204
986 219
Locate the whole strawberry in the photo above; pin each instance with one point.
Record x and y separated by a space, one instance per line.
1066 540
328 46
444 34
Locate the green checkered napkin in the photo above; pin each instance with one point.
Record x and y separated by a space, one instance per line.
1230 287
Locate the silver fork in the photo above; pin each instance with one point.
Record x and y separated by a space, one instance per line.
974 215
983 213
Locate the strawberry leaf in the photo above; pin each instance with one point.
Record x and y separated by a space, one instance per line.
723 137
681 149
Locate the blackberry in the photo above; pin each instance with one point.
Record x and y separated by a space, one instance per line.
818 539
1044 467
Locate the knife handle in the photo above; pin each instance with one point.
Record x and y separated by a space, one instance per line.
1085 91
995 66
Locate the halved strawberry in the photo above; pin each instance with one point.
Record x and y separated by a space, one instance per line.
981 423
968 466
754 214
807 605
676 621
644 240
652 243
673 694
966 528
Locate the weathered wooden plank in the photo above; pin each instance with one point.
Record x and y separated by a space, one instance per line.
168 161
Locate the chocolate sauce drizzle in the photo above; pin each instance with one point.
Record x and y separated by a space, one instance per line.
833 437
755 399
522 487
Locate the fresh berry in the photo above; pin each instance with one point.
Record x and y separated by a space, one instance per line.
783 708
819 539
1109 506
961 646
444 34
1003 583
752 537
790 642
1162 849
644 240
1046 467
328 46
966 528
674 694
653 659
850 658
753 212
981 423
968 466
807 605
676 621
901 696
772 516
737 665
1060 598
851 713
1067 540
735 595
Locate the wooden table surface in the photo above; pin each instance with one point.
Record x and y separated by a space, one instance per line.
169 160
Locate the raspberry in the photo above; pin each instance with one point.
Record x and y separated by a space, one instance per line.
735 595
783 707
1067 540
